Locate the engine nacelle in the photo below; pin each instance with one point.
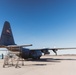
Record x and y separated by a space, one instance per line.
45 51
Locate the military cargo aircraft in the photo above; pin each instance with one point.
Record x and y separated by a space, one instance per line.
7 41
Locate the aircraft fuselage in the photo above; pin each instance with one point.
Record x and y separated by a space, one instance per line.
34 54
27 53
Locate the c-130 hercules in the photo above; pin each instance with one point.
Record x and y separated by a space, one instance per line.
7 41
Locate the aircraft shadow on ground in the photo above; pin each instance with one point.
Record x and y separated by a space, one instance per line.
52 59
44 60
35 64
66 59
55 60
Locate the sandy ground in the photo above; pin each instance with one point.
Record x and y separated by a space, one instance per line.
47 65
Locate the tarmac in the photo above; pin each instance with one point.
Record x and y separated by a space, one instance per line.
47 65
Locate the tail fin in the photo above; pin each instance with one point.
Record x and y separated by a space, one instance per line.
7 36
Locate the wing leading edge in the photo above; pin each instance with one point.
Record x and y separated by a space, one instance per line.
45 50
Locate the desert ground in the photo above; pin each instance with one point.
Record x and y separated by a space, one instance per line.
47 65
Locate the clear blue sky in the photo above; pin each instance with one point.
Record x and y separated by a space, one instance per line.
43 23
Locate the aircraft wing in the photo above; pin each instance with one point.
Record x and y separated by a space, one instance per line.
61 48
15 46
54 48
45 50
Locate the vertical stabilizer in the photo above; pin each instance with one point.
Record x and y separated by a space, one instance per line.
7 36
